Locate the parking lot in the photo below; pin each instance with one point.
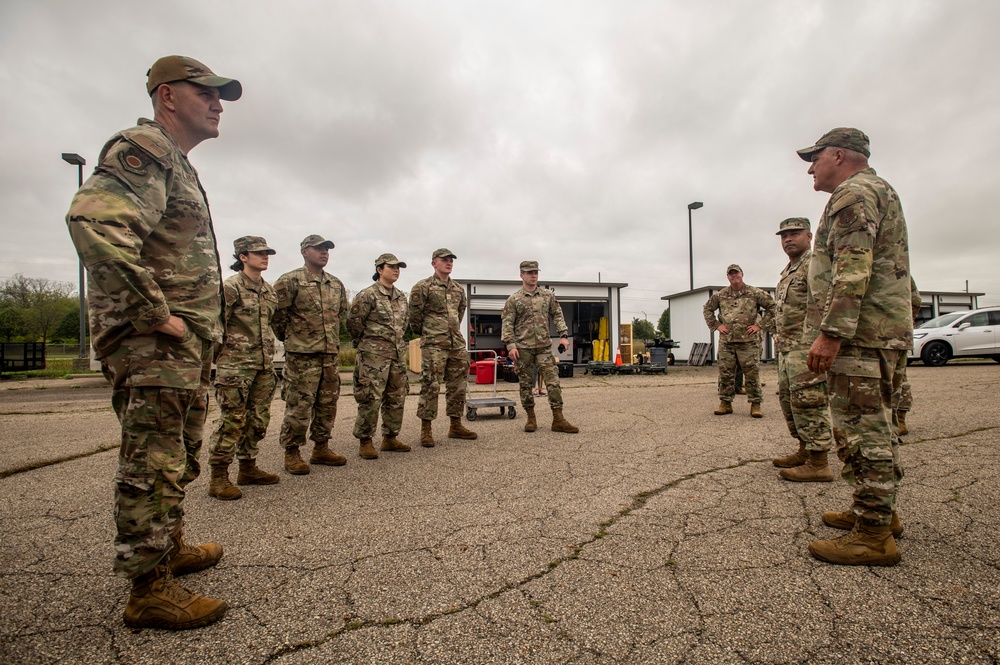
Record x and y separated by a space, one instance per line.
659 534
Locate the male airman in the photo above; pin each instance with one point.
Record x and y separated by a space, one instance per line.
311 305
739 305
525 331
437 306
142 227
802 393
859 307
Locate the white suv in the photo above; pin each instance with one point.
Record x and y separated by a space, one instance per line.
974 333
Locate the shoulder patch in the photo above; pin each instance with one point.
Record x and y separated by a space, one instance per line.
134 160
844 200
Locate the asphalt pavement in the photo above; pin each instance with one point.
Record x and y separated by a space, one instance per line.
658 534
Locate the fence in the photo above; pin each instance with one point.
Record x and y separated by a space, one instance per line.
21 356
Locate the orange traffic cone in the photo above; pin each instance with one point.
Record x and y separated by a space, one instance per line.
618 356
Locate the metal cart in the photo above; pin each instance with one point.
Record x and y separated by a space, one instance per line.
473 404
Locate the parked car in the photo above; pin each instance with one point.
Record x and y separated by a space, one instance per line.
967 334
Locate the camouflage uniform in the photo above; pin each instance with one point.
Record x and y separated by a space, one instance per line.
803 394
905 399
525 319
436 312
377 323
244 374
142 227
738 310
859 292
310 309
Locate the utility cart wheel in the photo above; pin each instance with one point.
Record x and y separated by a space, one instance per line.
470 415
501 410
510 413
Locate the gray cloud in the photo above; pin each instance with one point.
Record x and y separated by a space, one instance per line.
574 133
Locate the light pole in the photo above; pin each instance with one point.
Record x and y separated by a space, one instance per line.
692 206
73 158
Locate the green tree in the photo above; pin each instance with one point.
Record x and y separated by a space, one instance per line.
42 303
663 326
642 329
11 321
68 329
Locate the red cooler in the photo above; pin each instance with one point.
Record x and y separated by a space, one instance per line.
485 371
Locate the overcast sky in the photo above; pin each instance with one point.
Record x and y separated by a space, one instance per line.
574 133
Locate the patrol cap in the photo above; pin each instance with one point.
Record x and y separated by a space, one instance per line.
529 265
248 244
180 68
316 241
732 267
840 137
443 253
793 223
386 260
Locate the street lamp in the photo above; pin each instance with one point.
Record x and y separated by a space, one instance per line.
73 158
692 206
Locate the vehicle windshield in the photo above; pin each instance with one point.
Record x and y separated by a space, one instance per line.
942 321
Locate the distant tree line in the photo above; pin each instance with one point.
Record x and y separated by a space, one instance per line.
643 329
35 309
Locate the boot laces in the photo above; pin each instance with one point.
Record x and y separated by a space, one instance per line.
173 590
850 537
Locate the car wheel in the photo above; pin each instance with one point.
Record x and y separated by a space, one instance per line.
996 358
936 354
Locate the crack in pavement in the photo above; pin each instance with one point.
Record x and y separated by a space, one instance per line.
354 623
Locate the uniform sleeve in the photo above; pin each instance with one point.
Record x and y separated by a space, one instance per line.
462 306
767 304
230 297
915 301
417 302
709 311
284 291
345 304
555 311
110 218
360 309
852 234
507 319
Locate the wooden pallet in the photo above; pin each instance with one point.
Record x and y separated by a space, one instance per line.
699 353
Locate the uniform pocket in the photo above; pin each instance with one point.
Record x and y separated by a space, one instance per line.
855 384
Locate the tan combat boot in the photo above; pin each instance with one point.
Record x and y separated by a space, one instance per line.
458 431
560 424
367 450
159 601
294 464
795 459
531 425
903 429
865 545
845 520
724 408
754 410
815 470
426 433
251 474
184 559
220 487
323 455
393 445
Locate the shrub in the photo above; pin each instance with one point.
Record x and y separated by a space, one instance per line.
348 356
